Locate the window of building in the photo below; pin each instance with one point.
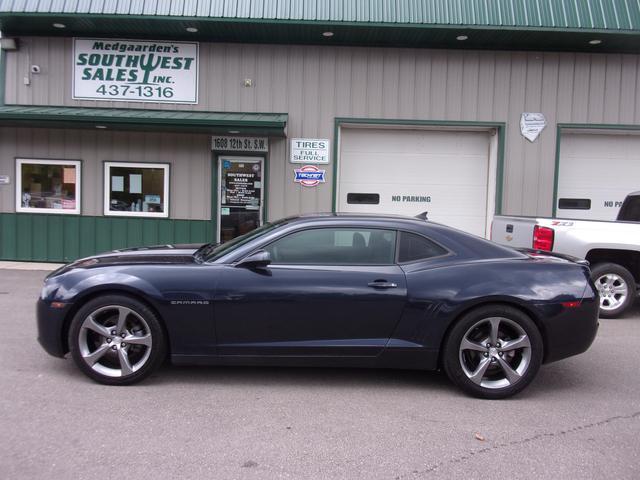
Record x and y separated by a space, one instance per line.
335 246
415 247
48 186
136 189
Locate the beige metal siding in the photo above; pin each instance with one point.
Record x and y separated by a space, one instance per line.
189 156
315 84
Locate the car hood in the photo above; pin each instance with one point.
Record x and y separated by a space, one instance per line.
153 255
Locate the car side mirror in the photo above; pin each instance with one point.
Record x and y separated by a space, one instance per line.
259 259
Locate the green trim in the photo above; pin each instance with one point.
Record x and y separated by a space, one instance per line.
265 187
579 126
215 158
3 75
64 238
334 182
600 126
435 32
556 171
502 136
136 118
97 17
499 126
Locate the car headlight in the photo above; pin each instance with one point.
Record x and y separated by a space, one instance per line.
48 289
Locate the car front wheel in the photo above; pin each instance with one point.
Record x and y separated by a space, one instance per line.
493 352
116 340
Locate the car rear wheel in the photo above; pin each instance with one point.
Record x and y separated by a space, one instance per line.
616 287
116 340
493 352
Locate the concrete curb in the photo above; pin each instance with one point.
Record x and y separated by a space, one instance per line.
29 266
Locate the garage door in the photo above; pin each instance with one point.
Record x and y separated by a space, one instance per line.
596 172
407 172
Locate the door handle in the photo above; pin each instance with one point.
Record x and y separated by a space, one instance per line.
382 284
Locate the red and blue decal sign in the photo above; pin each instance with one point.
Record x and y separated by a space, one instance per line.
309 175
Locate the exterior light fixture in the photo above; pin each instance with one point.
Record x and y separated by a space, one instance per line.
59 25
191 29
234 131
101 127
8 44
327 34
595 42
461 38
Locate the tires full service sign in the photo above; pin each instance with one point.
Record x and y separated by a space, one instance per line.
310 150
135 71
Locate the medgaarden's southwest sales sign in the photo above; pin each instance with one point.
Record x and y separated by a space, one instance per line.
135 71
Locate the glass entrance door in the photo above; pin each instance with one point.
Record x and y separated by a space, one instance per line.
240 196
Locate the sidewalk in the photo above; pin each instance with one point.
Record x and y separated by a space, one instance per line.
29 266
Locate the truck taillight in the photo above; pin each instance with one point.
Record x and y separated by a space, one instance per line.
542 238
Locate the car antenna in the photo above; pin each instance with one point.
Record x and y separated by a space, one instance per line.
422 216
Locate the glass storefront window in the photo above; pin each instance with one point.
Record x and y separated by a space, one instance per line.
47 186
136 189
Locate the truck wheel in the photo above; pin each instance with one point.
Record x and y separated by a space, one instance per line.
616 287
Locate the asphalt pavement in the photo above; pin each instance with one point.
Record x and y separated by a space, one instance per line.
579 419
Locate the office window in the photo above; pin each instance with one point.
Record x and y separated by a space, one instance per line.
48 186
136 189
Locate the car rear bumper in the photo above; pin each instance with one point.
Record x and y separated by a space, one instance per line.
50 328
569 331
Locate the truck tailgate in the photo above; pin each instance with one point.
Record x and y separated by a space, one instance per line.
516 232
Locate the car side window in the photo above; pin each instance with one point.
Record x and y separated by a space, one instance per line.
415 247
335 246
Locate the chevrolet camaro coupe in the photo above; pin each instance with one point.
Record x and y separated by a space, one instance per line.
325 290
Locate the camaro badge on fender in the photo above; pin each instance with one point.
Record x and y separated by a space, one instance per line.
309 175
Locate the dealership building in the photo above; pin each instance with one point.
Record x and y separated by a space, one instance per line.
126 123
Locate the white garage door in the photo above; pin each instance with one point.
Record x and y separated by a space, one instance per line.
596 173
407 172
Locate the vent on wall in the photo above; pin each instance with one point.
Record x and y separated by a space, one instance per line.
363 198
574 203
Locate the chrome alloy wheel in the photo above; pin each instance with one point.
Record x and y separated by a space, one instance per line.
495 352
613 291
115 341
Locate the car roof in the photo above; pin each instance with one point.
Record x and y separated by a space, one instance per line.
354 216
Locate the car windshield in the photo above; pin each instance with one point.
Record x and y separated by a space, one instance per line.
220 249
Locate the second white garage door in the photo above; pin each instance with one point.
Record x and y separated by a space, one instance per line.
596 172
400 171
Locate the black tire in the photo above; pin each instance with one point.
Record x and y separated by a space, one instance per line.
126 357
611 303
475 327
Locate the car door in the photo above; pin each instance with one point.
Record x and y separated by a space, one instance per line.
328 291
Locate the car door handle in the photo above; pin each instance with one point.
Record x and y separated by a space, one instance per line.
382 284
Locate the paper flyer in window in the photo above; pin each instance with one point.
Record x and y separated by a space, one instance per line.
135 183
117 183
69 175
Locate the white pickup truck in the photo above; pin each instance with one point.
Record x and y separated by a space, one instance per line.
612 248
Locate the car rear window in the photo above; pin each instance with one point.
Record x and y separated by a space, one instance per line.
416 247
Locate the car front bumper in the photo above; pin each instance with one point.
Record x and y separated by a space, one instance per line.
51 327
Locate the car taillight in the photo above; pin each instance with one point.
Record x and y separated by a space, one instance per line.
542 238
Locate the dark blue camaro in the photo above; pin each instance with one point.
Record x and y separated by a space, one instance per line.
325 290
